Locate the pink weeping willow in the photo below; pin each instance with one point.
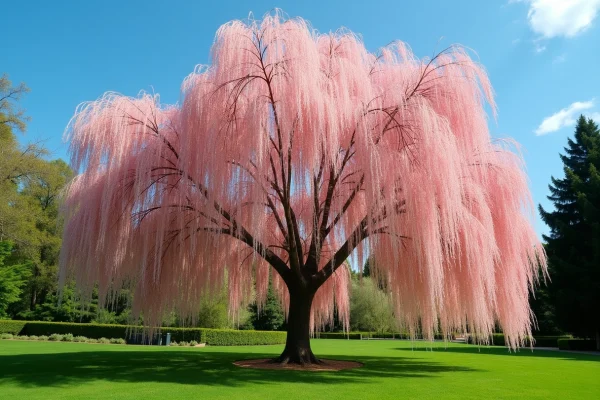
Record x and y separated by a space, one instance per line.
291 153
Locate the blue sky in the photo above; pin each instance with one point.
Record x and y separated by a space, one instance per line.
543 56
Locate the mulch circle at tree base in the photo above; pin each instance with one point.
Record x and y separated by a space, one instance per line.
324 365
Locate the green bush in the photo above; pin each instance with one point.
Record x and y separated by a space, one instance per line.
12 327
104 340
576 344
55 337
43 337
183 344
117 341
6 336
173 343
92 340
32 337
193 343
68 337
80 339
22 337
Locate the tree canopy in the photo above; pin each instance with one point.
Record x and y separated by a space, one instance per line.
290 152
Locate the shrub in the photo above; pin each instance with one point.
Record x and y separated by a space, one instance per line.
174 343
68 337
92 340
12 327
6 336
193 343
182 344
117 341
43 337
103 340
32 337
576 344
22 337
55 337
80 339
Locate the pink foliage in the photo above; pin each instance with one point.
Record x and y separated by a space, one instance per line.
382 155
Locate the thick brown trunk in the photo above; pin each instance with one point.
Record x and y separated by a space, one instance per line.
297 346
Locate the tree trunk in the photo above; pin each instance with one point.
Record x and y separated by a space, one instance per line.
297 345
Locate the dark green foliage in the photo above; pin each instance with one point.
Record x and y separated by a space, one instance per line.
212 337
12 278
95 331
538 341
577 344
270 316
573 245
340 335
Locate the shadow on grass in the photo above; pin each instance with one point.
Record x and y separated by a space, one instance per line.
503 351
199 367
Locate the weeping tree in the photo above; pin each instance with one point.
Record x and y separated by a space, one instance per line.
291 153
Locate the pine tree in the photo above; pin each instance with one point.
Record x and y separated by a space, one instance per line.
573 245
270 317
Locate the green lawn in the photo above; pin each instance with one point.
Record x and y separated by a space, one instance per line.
42 370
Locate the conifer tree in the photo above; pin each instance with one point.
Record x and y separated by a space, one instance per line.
573 245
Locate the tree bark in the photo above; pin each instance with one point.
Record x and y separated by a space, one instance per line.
297 346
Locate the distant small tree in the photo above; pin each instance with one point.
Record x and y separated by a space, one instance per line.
371 309
269 316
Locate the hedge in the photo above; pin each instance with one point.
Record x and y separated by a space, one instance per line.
370 335
212 337
538 341
340 335
576 344
94 331
12 327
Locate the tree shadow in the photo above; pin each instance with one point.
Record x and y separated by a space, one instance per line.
197 367
503 351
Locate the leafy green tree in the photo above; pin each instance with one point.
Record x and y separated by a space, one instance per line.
573 245
29 190
12 279
371 308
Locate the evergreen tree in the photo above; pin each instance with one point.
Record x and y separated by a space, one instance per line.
573 245
270 316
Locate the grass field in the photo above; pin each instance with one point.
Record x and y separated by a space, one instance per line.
392 370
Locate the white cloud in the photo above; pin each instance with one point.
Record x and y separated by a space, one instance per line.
539 48
560 59
552 18
565 117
